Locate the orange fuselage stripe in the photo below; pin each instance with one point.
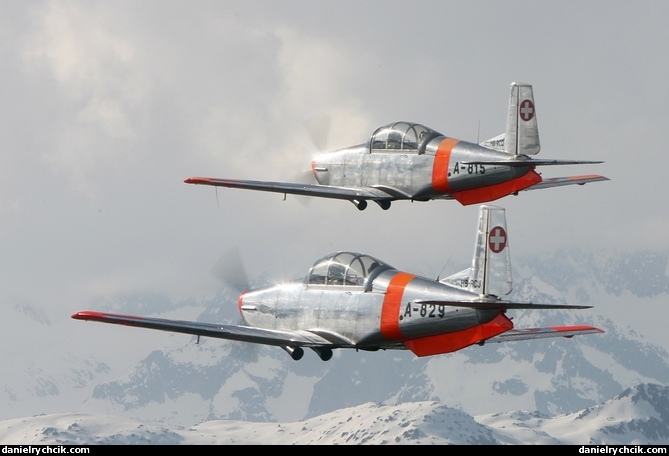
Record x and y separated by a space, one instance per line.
440 167
390 313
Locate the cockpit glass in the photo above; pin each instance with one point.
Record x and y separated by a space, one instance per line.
380 139
410 140
401 136
343 269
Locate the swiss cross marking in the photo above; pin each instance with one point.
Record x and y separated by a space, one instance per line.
526 110
497 239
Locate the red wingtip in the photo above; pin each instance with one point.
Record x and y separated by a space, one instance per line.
86 315
197 180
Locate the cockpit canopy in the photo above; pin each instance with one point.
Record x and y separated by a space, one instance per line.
345 269
402 136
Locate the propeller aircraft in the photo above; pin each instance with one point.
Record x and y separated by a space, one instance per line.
356 301
409 161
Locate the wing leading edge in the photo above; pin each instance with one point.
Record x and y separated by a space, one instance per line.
323 191
231 332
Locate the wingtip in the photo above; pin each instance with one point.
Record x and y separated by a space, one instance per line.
87 315
197 180
79 315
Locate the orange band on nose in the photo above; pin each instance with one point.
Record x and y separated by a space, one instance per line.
440 167
390 313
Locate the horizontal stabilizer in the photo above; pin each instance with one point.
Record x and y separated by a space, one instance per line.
519 162
496 143
543 333
571 180
501 305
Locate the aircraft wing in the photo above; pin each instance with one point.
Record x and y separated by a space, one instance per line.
560 181
232 332
542 333
323 191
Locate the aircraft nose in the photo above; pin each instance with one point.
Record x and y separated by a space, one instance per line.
240 302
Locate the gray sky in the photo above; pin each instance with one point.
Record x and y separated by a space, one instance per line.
108 106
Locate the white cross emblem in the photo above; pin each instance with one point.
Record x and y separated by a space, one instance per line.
497 239
526 110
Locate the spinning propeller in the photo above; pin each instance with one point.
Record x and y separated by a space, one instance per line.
318 130
229 269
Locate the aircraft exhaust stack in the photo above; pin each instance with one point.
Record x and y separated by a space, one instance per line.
324 353
295 352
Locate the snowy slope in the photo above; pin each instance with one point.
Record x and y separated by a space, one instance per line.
638 416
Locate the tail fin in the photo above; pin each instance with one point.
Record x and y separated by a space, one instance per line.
522 134
490 273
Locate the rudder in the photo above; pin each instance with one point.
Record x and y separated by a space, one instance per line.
490 272
522 133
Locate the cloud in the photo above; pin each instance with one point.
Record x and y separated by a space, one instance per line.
118 102
96 69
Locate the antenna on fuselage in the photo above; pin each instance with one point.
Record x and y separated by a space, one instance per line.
442 269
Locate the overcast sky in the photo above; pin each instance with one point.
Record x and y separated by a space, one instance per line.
107 106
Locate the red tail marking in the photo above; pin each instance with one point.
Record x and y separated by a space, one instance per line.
574 328
390 312
493 192
448 343
587 176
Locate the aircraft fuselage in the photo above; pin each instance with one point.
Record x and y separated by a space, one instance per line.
383 315
439 171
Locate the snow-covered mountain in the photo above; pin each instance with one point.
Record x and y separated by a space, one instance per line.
154 376
637 416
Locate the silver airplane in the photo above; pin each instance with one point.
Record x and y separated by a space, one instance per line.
409 161
353 300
